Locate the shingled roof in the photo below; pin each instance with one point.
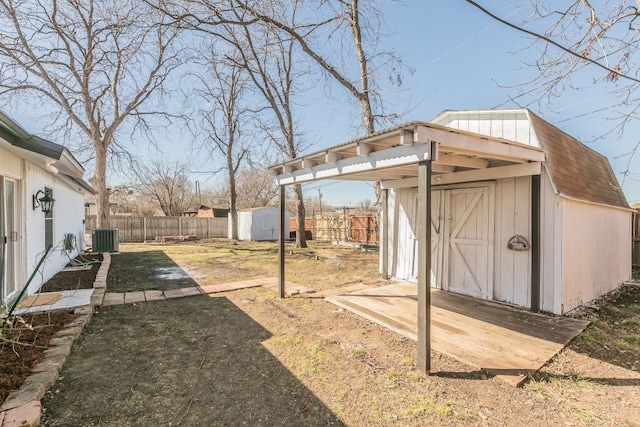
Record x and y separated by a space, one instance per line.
576 170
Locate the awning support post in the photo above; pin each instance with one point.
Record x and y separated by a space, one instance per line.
281 244
424 264
385 234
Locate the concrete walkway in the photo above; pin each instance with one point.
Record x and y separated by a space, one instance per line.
118 298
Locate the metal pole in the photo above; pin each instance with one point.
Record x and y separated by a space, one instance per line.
24 288
424 265
384 234
281 245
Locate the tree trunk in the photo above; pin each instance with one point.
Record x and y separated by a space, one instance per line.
363 96
233 196
301 239
100 183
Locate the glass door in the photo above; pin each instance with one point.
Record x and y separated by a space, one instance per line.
8 237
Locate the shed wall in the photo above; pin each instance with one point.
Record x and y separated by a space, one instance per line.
511 279
512 125
596 251
551 246
260 224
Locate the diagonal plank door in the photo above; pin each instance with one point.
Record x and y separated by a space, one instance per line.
467 262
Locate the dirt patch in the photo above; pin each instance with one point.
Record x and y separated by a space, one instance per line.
614 332
22 344
251 358
77 279
145 270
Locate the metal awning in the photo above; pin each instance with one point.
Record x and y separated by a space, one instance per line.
391 156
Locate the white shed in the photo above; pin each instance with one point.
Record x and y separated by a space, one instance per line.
31 167
521 212
259 224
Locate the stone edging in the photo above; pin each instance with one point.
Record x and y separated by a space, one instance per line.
100 284
22 408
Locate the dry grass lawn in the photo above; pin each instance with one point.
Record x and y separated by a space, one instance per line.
249 358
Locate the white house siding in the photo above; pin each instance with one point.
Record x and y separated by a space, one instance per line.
512 280
11 166
596 251
513 125
68 216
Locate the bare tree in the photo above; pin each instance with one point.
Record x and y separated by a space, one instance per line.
167 185
582 45
256 188
363 24
269 61
97 63
225 120
364 32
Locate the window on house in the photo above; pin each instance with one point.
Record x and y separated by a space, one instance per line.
48 222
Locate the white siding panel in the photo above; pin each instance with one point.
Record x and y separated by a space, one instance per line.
403 243
10 164
596 251
484 127
260 224
68 214
511 125
512 281
551 245
405 210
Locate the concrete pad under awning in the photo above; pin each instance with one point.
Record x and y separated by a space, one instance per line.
508 342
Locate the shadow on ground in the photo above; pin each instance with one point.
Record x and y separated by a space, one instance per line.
195 361
146 270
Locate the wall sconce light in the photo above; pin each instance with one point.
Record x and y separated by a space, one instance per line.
45 202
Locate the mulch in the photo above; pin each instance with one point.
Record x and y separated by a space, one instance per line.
22 345
70 280
24 339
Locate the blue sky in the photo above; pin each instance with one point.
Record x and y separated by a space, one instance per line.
458 54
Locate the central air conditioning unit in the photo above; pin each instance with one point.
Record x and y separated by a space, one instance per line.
105 240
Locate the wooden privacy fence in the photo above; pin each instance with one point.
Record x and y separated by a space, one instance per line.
341 226
136 229
635 239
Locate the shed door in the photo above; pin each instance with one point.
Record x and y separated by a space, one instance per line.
467 264
436 238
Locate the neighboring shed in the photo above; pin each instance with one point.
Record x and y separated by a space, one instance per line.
212 212
259 224
31 167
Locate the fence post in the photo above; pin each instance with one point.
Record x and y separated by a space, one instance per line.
179 226
144 226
